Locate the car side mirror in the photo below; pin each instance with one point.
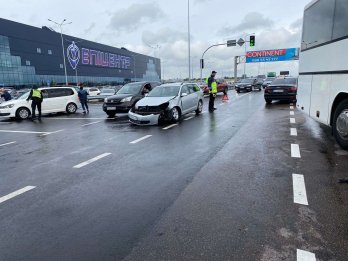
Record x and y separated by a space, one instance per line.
183 94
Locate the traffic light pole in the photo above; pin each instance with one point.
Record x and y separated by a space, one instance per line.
201 65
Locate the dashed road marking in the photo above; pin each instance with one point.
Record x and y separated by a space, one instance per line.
295 151
141 139
27 132
91 160
80 118
305 255
299 189
189 118
292 113
8 143
53 132
292 120
91 123
293 131
16 193
291 107
170 126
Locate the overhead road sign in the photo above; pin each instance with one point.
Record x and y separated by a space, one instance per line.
231 43
240 42
275 55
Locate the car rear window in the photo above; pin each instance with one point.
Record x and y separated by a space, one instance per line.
285 81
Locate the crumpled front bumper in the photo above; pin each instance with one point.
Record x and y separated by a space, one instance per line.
137 119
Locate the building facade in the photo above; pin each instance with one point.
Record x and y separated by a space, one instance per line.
34 56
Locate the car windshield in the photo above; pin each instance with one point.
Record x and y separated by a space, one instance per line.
108 91
285 81
130 88
164 91
247 81
23 96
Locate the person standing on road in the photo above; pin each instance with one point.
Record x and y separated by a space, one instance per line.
36 97
212 85
5 94
83 99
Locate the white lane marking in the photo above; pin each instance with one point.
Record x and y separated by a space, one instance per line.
295 151
305 255
8 143
170 126
299 188
53 132
291 104
141 139
292 120
16 193
292 113
293 131
28 132
91 160
240 96
222 104
80 118
95 122
203 112
291 107
189 118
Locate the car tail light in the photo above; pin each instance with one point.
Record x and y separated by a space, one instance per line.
267 89
293 88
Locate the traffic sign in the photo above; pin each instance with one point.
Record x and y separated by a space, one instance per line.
240 42
231 43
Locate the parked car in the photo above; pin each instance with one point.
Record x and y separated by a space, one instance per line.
167 102
126 97
283 89
221 86
56 99
92 91
267 81
104 93
246 85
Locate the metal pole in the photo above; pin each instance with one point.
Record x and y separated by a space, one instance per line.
76 76
61 36
235 68
203 56
189 40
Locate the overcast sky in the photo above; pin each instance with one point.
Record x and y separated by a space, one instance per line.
136 25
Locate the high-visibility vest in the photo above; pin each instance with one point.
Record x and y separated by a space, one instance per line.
36 94
213 88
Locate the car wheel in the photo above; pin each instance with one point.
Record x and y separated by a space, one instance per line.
199 107
340 124
268 101
71 108
175 114
22 113
111 114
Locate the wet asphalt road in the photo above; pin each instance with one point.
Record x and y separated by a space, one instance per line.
214 187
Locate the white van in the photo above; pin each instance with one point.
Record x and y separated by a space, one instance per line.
56 99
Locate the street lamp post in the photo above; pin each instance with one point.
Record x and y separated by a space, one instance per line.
189 38
61 36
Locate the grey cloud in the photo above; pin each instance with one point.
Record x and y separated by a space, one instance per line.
297 25
165 35
135 15
252 21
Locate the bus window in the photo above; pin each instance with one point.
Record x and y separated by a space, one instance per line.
340 28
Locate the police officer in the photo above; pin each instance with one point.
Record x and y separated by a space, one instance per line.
212 85
37 98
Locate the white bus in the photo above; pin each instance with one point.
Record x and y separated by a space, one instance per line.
323 71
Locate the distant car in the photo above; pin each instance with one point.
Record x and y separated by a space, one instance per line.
92 91
246 85
267 81
283 89
258 84
104 93
167 102
126 97
56 99
222 87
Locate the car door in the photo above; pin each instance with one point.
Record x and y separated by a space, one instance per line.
53 102
186 100
193 96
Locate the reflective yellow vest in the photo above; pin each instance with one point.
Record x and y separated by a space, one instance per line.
36 93
213 86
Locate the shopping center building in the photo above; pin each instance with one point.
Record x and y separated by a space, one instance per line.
34 56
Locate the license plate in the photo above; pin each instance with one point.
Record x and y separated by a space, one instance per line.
278 91
110 108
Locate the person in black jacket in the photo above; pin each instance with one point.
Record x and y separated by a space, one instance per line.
5 94
37 98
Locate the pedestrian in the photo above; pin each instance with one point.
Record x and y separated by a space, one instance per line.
36 98
83 99
5 94
212 85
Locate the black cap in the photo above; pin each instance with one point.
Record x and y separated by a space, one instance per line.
213 72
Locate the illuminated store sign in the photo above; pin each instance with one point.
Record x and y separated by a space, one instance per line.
96 58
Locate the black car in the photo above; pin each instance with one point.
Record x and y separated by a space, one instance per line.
126 97
283 89
258 84
246 85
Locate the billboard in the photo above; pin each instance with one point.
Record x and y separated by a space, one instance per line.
276 55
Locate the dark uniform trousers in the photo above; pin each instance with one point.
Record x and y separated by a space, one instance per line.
34 104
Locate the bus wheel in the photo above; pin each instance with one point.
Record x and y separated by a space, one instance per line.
340 124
